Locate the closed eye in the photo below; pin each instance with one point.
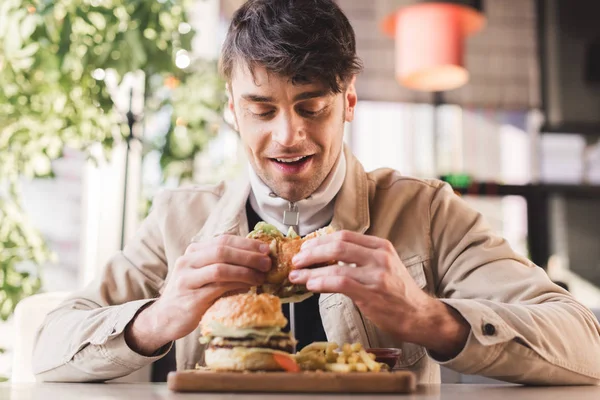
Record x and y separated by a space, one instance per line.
310 113
263 115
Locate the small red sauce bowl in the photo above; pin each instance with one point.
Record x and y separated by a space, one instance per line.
387 356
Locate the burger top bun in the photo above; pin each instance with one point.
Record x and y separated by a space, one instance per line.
248 310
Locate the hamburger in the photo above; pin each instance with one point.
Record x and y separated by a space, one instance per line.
243 333
283 249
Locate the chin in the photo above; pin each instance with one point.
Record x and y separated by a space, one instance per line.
290 189
291 194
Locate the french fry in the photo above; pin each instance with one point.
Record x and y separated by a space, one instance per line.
353 358
336 367
303 359
360 367
347 349
315 357
356 347
316 346
311 361
328 356
332 346
371 364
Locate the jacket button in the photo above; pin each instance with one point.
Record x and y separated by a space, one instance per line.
489 330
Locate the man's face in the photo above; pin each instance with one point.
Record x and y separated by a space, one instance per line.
292 133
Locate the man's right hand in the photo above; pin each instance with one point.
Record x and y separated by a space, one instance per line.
208 270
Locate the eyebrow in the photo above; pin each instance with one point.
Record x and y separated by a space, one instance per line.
255 98
310 95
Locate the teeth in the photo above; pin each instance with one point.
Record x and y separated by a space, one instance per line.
290 160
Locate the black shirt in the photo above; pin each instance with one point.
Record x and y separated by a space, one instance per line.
309 327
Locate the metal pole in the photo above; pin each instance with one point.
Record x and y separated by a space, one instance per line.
438 100
128 139
292 320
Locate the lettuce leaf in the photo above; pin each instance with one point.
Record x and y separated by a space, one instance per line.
224 331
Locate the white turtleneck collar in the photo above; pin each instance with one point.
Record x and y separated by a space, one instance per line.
315 212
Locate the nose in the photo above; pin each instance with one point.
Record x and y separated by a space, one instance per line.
288 131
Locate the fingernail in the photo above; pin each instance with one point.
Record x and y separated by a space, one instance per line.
297 258
295 275
264 248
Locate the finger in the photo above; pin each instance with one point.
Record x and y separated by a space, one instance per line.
239 242
233 290
337 284
220 273
227 255
302 276
333 250
372 242
216 290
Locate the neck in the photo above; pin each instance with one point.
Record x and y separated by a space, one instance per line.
314 212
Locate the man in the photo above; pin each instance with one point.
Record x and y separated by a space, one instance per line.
430 276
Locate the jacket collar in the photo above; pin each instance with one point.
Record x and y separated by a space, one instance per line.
351 210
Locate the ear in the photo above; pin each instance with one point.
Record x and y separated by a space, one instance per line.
231 108
351 100
230 104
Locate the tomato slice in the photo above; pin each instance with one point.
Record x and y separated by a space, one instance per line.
286 363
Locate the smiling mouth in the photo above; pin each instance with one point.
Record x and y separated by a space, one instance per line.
292 165
291 160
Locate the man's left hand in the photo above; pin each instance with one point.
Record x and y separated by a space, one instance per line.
382 288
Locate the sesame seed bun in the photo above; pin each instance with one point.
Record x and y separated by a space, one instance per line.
246 310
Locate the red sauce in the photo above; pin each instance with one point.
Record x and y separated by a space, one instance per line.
388 356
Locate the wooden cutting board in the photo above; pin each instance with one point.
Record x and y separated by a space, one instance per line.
304 382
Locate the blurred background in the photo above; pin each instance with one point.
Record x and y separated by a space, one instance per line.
105 102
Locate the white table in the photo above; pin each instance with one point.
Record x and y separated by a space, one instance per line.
98 391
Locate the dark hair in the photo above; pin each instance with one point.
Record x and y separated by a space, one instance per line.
306 40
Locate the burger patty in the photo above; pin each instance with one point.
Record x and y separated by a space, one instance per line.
283 343
284 289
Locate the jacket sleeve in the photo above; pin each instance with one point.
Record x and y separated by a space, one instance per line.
83 339
524 328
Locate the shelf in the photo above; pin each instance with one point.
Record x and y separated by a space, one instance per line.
572 128
537 197
494 189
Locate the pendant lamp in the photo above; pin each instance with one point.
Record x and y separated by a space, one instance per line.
430 41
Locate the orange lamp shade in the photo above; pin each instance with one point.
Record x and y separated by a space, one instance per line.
430 41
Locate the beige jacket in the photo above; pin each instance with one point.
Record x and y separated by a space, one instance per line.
523 327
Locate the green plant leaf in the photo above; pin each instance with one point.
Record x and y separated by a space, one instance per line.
28 51
12 43
23 63
46 7
65 39
28 26
52 97
138 55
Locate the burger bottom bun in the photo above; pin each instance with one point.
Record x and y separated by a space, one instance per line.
221 359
